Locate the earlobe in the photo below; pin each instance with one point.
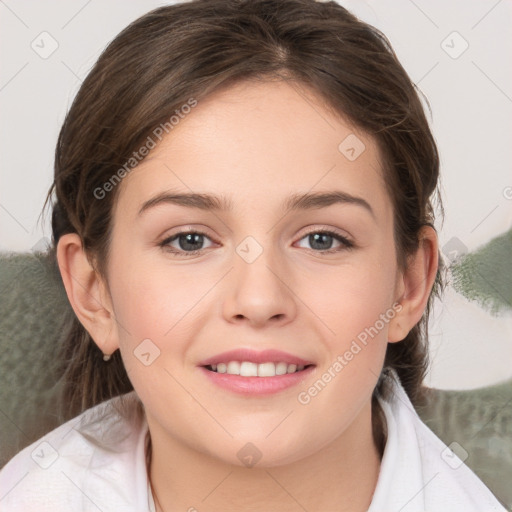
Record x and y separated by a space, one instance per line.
87 292
416 284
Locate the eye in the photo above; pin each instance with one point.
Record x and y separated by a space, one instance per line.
322 241
185 243
190 243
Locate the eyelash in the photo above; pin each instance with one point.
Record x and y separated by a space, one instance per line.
345 242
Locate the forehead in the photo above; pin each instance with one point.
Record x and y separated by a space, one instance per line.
256 143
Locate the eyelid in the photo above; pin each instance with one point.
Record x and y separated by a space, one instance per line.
184 230
319 228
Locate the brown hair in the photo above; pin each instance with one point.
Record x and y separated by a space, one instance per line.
188 50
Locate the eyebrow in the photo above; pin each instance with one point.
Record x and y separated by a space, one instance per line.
307 201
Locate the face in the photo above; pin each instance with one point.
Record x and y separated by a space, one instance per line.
307 287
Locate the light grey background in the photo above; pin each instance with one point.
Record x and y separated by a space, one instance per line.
469 90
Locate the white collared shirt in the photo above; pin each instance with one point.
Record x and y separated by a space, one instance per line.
96 462
418 472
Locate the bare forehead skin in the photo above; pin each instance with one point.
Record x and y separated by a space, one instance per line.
256 143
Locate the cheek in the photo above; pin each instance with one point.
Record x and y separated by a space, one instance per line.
155 326
152 300
356 306
143 306
355 303
352 297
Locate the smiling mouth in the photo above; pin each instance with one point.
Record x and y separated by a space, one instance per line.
250 369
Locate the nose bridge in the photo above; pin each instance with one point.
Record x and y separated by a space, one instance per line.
257 289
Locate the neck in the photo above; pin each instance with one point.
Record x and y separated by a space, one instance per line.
341 476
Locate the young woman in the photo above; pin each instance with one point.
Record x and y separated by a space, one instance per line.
242 218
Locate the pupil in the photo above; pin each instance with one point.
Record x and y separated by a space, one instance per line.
190 239
319 239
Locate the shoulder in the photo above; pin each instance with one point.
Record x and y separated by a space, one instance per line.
419 470
94 461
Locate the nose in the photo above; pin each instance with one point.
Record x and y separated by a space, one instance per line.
260 292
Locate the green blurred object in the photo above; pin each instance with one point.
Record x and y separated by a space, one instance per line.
480 421
34 306
485 276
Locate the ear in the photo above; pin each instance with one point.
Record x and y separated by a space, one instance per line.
87 293
414 285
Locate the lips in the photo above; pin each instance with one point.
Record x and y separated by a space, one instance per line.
252 356
251 373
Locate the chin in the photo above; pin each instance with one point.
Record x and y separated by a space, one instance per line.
265 453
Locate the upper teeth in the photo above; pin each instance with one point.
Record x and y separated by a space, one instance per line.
248 369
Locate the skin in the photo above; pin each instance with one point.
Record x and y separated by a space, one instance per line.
256 144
